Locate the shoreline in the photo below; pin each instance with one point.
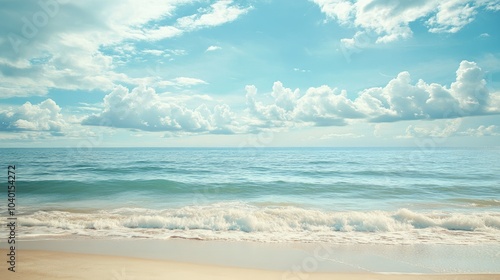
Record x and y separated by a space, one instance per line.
295 258
58 265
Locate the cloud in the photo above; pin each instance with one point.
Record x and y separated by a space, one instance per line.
320 106
482 130
447 129
186 81
43 117
390 20
399 100
153 52
143 109
341 135
180 82
434 130
213 48
69 45
301 70
452 16
221 12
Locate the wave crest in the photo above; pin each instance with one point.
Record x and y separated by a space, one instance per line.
238 221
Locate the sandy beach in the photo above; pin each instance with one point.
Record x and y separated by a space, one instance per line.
190 259
58 265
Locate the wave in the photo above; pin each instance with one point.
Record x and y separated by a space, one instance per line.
93 188
477 202
241 221
163 187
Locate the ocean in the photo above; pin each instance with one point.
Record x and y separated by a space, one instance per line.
334 195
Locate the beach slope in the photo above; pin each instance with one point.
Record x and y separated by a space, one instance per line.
57 265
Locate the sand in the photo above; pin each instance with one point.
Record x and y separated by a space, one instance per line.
58 265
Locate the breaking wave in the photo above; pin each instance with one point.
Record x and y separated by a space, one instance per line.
242 221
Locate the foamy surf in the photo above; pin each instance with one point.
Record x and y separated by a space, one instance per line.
243 221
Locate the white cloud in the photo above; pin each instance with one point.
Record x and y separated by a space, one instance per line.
452 16
482 130
44 117
390 20
447 129
399 100
340 10
301 70
187 81
60 44
178 82
360 40
433 130
153 52
212 48
221 12
160 33
320 106
143 109
325 106
177 52
278 114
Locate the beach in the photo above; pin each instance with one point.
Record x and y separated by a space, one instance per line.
58 265
194 259
51 265
266 140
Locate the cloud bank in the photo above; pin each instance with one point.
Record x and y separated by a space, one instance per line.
399 100
143 109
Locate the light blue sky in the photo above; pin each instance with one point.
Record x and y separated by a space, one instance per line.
249 73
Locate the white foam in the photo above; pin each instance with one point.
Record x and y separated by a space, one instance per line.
240 221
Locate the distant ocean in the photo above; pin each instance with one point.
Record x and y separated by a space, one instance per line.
336 195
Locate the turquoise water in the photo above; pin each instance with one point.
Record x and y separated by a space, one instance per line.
381 196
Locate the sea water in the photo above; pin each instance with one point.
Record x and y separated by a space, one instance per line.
334 195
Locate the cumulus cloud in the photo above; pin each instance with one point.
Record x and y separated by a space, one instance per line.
390 20
402 100
399 100
43 117
321 106
143 109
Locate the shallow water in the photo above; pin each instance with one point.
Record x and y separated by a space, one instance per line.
353 196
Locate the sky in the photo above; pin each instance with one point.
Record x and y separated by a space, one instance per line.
253 73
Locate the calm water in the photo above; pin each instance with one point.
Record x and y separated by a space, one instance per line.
384 196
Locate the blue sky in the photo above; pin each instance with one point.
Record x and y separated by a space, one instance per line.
249 73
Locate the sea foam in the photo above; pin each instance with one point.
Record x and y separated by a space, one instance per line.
242 221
